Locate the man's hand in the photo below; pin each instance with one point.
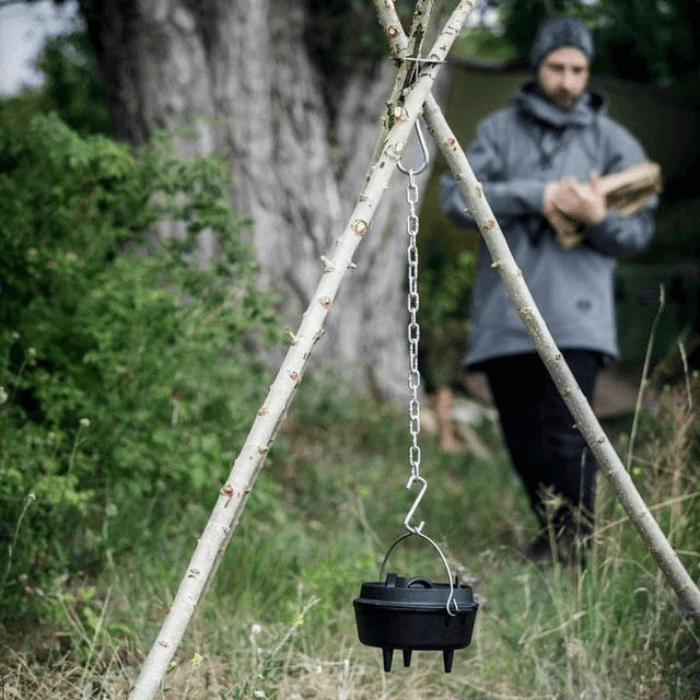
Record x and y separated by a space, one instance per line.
581 202
552 209
569 203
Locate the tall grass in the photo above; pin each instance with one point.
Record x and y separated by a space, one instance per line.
278 621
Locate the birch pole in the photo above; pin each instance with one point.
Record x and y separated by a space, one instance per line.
511 276
400 47
519 294
584 417
233 495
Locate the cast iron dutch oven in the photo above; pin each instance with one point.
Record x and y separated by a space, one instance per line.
415 614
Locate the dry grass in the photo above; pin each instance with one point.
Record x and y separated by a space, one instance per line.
613 631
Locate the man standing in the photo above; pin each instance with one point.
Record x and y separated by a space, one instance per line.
539 163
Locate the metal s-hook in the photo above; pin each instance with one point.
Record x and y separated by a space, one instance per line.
426 156
407 521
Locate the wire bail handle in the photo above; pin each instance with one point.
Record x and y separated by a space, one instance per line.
451 606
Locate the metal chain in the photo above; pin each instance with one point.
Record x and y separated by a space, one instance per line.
414 453
413 327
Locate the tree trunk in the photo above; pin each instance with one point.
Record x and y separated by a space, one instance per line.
243 75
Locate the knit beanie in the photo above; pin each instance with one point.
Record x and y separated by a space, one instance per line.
557 32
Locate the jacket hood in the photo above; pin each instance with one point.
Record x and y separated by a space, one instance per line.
531 102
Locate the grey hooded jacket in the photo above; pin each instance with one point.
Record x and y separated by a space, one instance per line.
517 151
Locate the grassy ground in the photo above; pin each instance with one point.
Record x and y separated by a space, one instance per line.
278 622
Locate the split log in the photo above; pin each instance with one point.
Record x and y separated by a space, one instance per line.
626 191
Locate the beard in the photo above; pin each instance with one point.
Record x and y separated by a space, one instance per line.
564 99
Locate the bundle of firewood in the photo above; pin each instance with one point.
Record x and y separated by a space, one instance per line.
626 191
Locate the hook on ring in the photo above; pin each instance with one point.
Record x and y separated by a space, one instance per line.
424 150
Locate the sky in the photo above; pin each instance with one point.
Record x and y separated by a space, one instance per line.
23 30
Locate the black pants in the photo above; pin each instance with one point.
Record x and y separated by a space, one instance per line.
549 454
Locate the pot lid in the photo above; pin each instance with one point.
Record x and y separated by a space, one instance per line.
414 592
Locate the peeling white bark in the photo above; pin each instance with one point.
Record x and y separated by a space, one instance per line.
233 495
519 294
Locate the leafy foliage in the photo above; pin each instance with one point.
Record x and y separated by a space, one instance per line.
445 289
124 364
72 88
649 41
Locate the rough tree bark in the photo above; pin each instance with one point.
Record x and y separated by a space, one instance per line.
242 73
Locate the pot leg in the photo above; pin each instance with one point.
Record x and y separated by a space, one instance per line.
388 656
407 657
448 656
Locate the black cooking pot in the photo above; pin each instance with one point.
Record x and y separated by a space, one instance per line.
415 614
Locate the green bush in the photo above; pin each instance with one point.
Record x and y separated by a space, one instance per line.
445 289
71 87
126 368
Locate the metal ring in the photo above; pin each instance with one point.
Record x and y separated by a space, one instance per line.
451 599
410 59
